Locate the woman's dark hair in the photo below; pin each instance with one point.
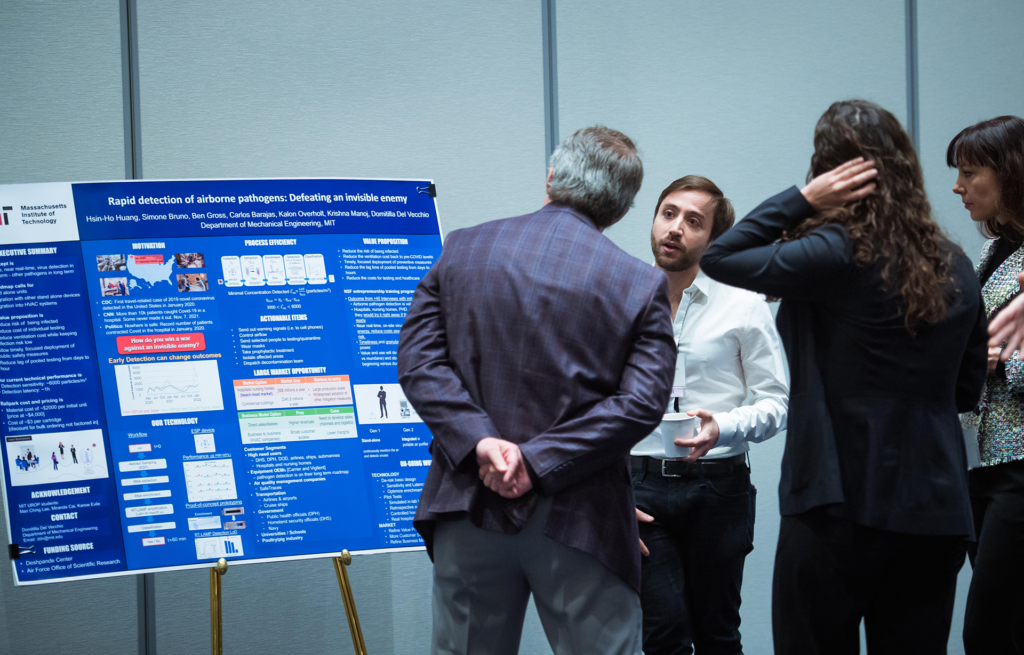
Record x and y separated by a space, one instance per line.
894 223
999 144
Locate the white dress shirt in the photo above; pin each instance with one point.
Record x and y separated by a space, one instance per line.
728 346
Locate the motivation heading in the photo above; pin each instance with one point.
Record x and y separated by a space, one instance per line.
253 198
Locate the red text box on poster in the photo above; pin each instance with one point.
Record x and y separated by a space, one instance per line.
161 343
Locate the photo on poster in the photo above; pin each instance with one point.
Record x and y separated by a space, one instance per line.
111 263
383 403
193 282
56 457
204 441
114 286
190 260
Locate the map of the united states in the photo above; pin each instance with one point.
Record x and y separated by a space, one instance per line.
150 272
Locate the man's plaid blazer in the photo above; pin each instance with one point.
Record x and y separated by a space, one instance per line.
539 330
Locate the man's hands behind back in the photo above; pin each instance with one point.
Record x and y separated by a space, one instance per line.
502 467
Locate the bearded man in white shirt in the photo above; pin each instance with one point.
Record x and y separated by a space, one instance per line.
696 513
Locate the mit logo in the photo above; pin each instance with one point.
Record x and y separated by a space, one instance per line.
7 209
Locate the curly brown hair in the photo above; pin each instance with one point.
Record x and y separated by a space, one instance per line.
893 224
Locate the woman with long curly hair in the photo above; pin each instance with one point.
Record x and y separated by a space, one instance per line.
989 158
884 329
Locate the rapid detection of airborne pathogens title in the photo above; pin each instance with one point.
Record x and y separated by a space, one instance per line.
254 198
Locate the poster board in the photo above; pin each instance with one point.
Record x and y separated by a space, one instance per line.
197 369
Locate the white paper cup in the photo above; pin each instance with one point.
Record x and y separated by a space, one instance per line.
678 426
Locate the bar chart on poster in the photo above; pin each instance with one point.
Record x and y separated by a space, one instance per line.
202 369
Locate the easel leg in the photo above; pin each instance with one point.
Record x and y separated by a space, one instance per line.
216 627
350 602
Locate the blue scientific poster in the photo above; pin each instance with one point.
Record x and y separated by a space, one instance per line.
197 369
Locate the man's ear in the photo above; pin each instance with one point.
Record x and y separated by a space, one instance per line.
547 185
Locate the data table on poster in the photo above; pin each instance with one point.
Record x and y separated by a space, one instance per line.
298 425
197 369
276 393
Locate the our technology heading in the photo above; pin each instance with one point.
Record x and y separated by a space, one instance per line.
252 198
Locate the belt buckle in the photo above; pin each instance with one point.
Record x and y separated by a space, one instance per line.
667 475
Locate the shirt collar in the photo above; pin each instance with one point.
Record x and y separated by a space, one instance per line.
702 283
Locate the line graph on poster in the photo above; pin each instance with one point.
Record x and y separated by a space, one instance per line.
168 387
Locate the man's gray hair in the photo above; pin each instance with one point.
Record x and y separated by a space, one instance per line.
596 171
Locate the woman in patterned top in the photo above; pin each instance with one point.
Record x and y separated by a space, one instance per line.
990 159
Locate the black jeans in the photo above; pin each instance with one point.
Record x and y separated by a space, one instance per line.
702 531
994 620
830 573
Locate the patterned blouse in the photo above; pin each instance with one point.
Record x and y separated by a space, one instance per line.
999 418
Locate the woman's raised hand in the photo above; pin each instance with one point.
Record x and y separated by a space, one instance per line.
841 185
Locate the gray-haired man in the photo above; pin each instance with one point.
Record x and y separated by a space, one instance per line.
538 353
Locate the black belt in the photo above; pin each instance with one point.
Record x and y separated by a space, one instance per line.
674 468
